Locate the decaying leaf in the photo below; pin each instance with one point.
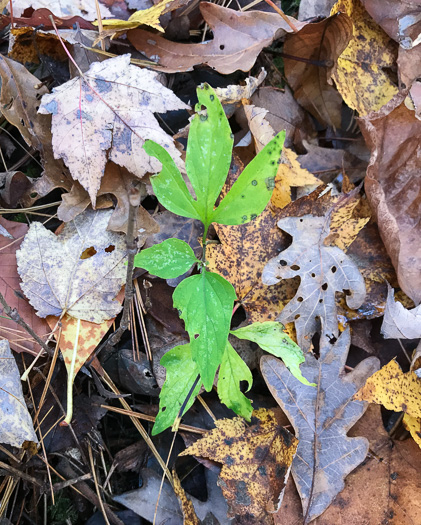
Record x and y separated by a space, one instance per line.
65 8
107 115
9 287
319 44
360 75
396 391
186 505
15 422
382 490
323 270
393 389
253 31
78 272
256 462
117 181
393 188
321 418
398 322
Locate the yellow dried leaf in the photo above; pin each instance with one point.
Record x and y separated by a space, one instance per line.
413 424
360 74
256 462
291 174
393 389
147 17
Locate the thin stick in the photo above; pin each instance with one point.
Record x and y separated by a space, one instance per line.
283 15
101 504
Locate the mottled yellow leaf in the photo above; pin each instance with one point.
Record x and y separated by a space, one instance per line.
413 424
360 74
256 461
190 517
393 389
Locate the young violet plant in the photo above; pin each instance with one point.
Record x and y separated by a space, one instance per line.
205 300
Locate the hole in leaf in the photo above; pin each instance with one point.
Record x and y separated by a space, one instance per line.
324 286
295 267
297 317
164 409
313 275
283 263
110 248
89 252
347 292
300 299
320 300
196 336
333 269
222 47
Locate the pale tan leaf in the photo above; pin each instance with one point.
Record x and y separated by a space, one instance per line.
78 272
107 115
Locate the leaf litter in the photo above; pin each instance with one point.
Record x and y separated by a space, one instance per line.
355 69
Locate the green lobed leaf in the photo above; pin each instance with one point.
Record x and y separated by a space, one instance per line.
205 302
271 338
209 150
167 260
251 193
169 186
181 374
233 370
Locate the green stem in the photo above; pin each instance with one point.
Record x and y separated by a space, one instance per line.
205 233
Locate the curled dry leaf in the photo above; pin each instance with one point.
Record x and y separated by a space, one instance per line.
15 422
323 270
398 322
238 39
256 462
400 20
320 44
107 115
361 74
393 188
321 418
78 272
117 181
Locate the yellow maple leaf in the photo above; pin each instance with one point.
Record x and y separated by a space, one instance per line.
360 76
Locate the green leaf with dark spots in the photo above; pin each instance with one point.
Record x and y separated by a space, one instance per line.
251 193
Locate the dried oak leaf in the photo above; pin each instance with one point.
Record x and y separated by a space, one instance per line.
361 76
15 421
65 8
19 339
310 80
78 272
383 490
393 188
321 418
107 115
238 39
323 270
256 462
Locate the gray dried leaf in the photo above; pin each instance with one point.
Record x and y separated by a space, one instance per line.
321 418
79 271
398 322
107 115
323 270
15 422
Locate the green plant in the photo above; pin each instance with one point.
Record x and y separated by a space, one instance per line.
205 300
